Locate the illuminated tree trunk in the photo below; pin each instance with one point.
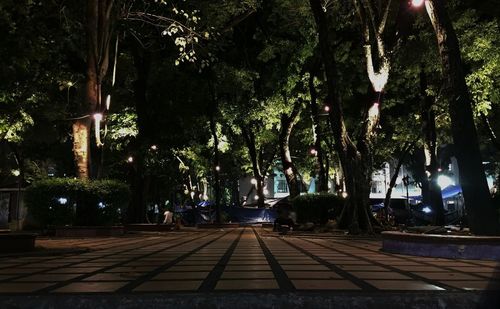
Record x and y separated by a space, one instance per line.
430 186
289 169
356 163
81 147
256 165
482 216
98 33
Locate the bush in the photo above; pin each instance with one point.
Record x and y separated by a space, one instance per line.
65 201
317 208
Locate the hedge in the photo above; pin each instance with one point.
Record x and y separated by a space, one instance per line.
66 201
317 208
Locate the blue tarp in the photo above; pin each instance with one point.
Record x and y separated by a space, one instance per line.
448 192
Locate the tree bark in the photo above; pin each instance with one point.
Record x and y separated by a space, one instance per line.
430 186
356 215
256 165
289 169
482 216
216 165
98 33
404 153
313 105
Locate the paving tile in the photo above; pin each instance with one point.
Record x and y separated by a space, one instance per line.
420 268
304 267
197 263
324 285
247 267
247 262
181 275
90 287
165 286
73 270
125 269
362 267
20 271
379 275
48 277
191 268
403 285
312 275
447 276
113 276
247 275
255 284
24 287
474 285
478 269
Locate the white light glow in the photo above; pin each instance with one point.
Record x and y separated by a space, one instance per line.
62 200
98 116
426 210
344 194
253 181
154 147
313 151
217 168
130 159
417 3
444 181
327 108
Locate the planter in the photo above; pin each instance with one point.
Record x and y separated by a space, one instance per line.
443 246
87 231
17 242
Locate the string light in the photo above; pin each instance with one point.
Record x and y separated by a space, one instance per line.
217 168
327 108
130 159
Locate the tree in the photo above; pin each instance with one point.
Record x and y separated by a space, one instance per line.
481 213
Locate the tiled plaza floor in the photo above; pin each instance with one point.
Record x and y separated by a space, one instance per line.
244 259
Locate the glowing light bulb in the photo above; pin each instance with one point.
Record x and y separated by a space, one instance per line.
417 3
327 108
217 168
154 147
130 159
98 116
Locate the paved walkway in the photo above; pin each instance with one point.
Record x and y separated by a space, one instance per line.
243 259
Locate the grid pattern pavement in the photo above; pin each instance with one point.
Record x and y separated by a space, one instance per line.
241 259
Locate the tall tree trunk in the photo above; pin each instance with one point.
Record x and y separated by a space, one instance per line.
313 105
98 33
216 165
482 216
402 157
81 147
289 169
137 207
256 165
428 116
356 215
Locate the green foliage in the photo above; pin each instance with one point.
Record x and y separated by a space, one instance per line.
317 208
66 201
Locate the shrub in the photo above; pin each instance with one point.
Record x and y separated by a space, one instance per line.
65 201
317 208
